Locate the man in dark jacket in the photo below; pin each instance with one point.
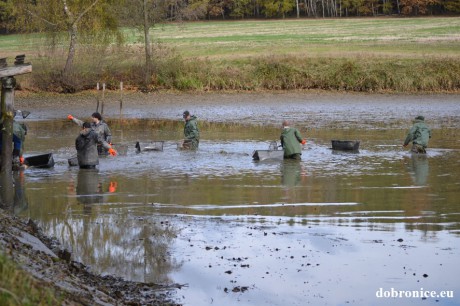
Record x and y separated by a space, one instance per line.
86 145
291 141
19 135
100 127
419 134
191 132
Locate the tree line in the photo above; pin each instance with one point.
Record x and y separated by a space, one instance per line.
238 9
227 9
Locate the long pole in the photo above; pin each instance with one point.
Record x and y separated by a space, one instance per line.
6 176
103 95
97 97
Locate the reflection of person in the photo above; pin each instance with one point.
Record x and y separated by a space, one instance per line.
420 168
191 132
291 172
88 187
100 127
86 145
419 134
290 141
20 201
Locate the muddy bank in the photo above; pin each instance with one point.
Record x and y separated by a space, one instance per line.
312 109
44 259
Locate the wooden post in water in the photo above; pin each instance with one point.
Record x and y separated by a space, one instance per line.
121 99
121 109
97 97
8 83
103 95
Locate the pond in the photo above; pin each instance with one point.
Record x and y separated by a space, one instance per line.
335 228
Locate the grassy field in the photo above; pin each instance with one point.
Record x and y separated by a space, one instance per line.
390 37
257 54
401 37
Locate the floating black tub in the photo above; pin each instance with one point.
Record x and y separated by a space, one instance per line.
268 155
40 161
345 145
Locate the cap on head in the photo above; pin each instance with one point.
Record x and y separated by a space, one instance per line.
97 115
186 114
420 118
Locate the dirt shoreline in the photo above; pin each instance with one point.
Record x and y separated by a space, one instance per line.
46 261
312 108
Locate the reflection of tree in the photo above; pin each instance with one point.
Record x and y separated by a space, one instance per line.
135 248
20 200
157 262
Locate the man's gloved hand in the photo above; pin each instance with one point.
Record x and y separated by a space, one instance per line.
112 152
70 117
304 141
21 160
113 187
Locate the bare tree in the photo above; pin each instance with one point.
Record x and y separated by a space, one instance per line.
56 16
145 14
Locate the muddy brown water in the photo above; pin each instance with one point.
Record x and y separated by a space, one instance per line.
336 228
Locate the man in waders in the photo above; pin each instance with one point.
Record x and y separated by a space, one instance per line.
19 135
419 134
191 132
100 127
86 145
291 141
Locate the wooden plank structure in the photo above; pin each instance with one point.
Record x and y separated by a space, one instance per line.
8 84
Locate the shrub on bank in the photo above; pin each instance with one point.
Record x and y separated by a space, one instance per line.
170 71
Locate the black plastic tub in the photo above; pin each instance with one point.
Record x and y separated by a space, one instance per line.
345 145
40 161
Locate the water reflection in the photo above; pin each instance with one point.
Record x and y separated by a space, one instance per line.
20 199
419 169
89 189
291 173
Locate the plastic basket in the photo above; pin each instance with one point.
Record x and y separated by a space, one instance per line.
121 149
153 146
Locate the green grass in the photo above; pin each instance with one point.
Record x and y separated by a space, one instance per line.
403 37
17 288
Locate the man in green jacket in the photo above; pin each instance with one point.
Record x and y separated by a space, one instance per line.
291 141
419 134
191 132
